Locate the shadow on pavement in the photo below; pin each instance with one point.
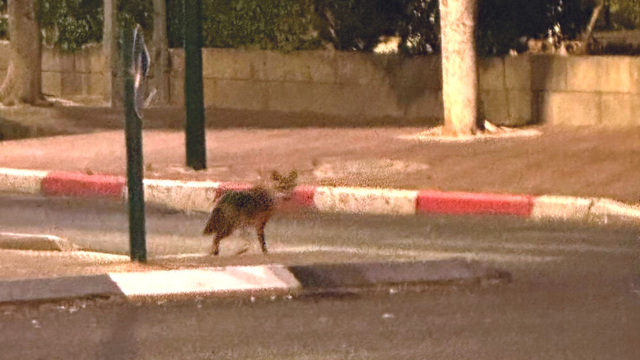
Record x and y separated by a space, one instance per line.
12 130
26 122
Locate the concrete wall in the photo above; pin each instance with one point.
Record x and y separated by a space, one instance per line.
80 74
73 75
318 81
345 83
603 90
574 91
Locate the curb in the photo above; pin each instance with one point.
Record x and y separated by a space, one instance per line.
198 196
12 241
264 280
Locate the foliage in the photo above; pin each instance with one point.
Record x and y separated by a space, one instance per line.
502 24
131 12
420 28
624 14
4 23
267 24
506 24
67 24
303 24
356 25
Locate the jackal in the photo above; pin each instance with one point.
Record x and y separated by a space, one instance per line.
248 208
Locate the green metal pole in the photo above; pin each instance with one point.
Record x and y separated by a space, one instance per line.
193 88
133 133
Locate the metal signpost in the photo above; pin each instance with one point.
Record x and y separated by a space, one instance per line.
193 87
136 62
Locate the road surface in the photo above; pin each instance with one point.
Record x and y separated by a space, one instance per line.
574 294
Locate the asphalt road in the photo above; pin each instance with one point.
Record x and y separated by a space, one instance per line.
536 318
574 294
103 226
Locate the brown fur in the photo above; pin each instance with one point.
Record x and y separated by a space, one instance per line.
248 208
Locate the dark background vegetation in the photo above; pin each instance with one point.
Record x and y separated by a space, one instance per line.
349 25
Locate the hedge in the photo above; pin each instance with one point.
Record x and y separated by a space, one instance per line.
357 25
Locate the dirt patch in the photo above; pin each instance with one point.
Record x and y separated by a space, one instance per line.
333 170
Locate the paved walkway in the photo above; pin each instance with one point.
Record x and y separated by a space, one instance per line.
575 162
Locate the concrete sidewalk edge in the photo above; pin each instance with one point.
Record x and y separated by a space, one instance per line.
261 280
198 196
14 241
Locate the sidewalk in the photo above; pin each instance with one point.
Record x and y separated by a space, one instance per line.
568 174
572 162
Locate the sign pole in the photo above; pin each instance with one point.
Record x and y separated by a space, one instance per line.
193 88
136 63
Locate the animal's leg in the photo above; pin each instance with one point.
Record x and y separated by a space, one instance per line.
216 242
260 231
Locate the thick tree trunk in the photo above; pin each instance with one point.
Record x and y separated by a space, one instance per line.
459 71
23 83
160 58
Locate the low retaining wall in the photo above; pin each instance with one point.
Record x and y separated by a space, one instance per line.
575 90
68 75
514 90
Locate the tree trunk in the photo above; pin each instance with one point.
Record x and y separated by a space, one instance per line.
592 22
114 86
160 58
459 71
23 83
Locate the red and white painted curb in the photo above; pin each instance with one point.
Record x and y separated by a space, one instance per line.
199 196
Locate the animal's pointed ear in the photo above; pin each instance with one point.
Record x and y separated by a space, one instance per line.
276 176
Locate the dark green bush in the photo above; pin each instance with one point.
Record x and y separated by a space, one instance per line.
4 24
267 24
420 28
357 25
68 24
504 24
131 12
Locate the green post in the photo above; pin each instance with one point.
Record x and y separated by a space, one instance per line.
193 88
133 133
